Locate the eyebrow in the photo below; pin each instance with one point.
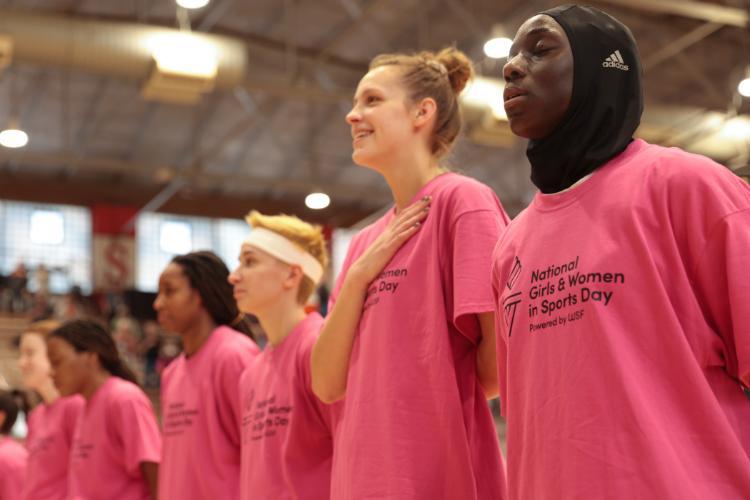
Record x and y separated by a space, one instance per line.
541 30
364 91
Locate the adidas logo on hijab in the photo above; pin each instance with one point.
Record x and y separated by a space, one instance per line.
615 61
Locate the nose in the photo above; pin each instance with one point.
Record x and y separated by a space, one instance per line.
233 279
513 69
353 116
157 302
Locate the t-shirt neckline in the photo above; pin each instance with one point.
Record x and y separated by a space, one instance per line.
555 201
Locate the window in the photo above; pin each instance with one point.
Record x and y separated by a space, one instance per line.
175 237
47 227
58 236
159 237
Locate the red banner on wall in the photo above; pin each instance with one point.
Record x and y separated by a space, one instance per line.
114 247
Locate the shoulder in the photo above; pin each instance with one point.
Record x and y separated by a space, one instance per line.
123 391
309 335
233 344
460 194
686 180
73 405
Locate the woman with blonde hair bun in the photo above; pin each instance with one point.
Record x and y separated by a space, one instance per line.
410 339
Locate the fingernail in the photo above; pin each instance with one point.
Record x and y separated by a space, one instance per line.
417 224
426 198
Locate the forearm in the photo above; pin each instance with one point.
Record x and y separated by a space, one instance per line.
331 353
487 356
150 472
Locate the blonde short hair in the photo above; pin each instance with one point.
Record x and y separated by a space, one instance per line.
309 237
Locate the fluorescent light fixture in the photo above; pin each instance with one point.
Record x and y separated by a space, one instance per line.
498 48
744 87
185 54
317 201
486 92
192 4
13 138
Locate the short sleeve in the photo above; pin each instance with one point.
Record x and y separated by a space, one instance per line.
230 370
138 431
73 409
329 414
473 240
500 335
723 287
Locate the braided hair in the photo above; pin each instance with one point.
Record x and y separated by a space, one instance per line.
87 335
208 274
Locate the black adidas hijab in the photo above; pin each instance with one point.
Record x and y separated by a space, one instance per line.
606 105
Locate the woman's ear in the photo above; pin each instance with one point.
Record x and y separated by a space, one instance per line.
294 277
424 112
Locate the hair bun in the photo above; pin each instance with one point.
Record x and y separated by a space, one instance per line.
458 66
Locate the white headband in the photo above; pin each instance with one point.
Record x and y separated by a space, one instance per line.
285 251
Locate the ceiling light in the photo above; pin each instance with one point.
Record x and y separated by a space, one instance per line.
486 92
186 66
736 128
317 201
744 87
498 48
192 4
13 138
187 54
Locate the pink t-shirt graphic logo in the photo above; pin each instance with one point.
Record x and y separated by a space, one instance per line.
510 303
387 283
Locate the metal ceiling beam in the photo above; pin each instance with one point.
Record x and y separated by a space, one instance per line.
308 91
202 179
675 47
704 11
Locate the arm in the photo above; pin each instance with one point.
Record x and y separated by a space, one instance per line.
330 356
487 356
150 472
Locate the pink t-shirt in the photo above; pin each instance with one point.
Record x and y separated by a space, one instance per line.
13 458
287 433
415 421
624 332
116 432
50 438
201 418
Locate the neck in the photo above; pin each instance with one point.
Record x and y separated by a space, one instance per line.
195 336
48 392
408 173
98 378
279 321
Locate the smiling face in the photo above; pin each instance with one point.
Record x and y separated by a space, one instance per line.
33 361
539 78
261 280
178 305
381 118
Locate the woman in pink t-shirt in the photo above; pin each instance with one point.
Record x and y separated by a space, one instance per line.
622 290
199 400
287 433
117 445
410 338
51 424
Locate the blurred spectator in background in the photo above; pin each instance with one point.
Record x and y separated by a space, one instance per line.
15 296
